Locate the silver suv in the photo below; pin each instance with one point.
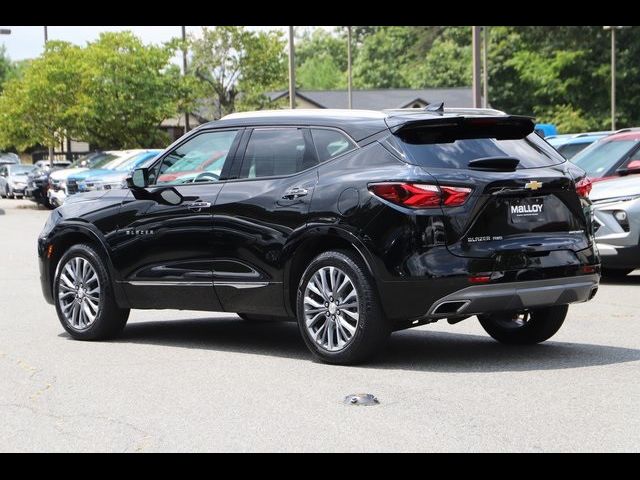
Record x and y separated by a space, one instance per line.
616 205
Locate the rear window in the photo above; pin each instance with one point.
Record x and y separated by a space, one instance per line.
427 150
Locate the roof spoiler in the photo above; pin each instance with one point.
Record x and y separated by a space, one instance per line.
449 129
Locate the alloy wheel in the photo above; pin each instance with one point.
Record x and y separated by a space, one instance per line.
331 308
79 293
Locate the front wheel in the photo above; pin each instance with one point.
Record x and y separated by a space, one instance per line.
339 313
524 328
84 297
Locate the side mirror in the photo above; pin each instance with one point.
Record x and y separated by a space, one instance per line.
633 167
138 179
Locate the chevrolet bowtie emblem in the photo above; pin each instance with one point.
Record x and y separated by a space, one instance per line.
533 185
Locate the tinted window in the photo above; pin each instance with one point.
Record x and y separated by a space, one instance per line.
532 151
601 157
330 143
276 152
200 159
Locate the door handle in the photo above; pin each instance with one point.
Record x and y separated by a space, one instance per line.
295 192
197 206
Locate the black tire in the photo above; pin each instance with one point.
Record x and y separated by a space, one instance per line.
110 319
255 318
616 273
372 330
10 195
542 324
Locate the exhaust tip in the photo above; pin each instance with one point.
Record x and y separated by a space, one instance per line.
454 306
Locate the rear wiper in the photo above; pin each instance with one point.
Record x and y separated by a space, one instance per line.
500 164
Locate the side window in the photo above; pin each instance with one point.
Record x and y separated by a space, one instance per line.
200 159
275 152
330 143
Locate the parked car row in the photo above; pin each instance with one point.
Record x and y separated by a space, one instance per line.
610 160
98 170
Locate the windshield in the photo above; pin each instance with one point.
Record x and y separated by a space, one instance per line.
107 162
21 169
572 149
133 162
599 158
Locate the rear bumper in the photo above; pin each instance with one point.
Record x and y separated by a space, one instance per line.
478 299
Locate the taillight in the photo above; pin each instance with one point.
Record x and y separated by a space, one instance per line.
419 195
583 187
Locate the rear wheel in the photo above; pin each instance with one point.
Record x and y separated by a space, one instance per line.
339 312
84 298
524 328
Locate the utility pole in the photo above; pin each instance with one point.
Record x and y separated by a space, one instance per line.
292 71
349 77
475 42
485 71
184 73
613 73
51 147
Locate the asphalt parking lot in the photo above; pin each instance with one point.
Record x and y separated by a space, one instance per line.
191 381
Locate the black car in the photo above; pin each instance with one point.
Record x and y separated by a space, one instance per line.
352 223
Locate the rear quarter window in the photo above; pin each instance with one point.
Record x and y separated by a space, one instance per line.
421 149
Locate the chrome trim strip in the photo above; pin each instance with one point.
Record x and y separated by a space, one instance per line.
163 283
241 285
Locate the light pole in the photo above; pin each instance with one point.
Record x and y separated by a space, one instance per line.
485 72
349 78
51 147
184 73
292 71
613 73
475 42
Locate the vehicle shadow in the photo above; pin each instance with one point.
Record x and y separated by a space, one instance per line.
631 279
419 350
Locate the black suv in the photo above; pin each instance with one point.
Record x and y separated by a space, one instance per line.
352 223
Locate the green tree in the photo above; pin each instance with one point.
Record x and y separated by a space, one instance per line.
447 64
381 57
7 67
320 73
263 69
320 43
42 105
128 89
229 61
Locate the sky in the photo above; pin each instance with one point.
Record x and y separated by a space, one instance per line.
27 42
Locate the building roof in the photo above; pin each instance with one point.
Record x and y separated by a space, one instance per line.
380 99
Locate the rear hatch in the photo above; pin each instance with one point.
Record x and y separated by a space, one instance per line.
523 196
